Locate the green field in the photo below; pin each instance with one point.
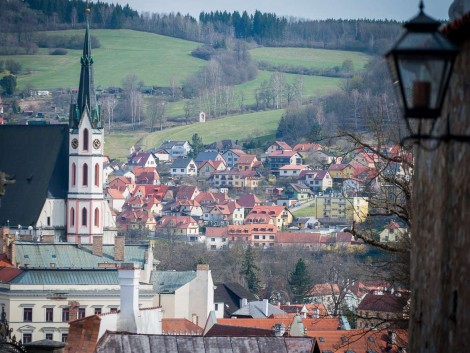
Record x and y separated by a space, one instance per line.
314 86
305 212
238 127
310 58
155 59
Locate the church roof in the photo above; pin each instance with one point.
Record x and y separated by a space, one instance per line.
37 157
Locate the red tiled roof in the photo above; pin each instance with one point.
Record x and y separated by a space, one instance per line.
248 200
360 341
272 211
282 153
339 166
217 232
180 326
8 273
298 238
323 289
385 303
293 167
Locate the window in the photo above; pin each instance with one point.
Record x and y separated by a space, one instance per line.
72 216
84 216
64 337
97 174
49 314
27 315
113 310
216 306
97 217
85 175
256 236
74 174
48 221
27 337
97 311
81 313
65 315
49 336
85 139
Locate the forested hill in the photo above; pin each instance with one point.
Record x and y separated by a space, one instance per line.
213 28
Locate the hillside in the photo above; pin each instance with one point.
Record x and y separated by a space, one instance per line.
239 127
155 59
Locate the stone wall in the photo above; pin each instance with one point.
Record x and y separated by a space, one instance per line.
440 262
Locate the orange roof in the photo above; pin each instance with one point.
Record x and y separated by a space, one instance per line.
267 324
298 238
324 289
4 262
361 341
115 194
180 326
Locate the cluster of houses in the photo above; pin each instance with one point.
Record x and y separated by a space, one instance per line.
219 204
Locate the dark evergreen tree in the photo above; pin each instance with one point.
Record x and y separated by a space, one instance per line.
300 281
250 270
8 83
196 145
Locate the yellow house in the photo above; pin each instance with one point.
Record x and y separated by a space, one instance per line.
341 171
342 208
281 216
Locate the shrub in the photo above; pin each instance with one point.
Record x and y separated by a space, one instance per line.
59 51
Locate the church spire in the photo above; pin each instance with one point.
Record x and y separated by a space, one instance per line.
86 99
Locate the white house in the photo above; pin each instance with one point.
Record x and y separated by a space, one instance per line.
292 170
183 167
177 149
231 157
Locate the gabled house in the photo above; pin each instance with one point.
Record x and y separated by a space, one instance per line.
228 298
289 171
136 220
281 217
205 156
298 192
146 175
316 180
236 179
177 226
280 158
383 311
222 214
142 159
341 171
232 156
162 155
248 162
216 238
115 199
177 149
183 167
186 192
278 146
183 208
393 232
207 168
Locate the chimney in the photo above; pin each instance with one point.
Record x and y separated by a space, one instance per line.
243 302
129 283
79 242
266 307
119 243
97 247
73 310
202 267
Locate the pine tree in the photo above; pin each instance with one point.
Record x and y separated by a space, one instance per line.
250 270
300 281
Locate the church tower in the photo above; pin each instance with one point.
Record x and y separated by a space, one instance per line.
87 211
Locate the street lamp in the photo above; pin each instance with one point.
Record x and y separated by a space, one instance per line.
421 64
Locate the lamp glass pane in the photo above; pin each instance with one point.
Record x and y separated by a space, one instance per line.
421 79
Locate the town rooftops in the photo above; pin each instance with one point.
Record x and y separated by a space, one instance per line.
384 303
181 162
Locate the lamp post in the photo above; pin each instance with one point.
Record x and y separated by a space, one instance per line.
421 64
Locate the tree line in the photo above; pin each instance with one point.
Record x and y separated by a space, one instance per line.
268 29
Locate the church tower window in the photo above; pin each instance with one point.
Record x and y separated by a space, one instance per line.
85 139
85 174
97 217
74 174
97 174
72 216
84 216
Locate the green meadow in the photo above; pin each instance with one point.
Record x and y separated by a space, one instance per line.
156 60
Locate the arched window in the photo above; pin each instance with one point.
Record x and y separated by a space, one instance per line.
85 139
85 174
74 174
97 217
72 217
84 216
97 174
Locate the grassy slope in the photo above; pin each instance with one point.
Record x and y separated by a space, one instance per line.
310 58
155 59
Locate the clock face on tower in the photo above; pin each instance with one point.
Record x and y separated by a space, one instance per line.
96 144
74 144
